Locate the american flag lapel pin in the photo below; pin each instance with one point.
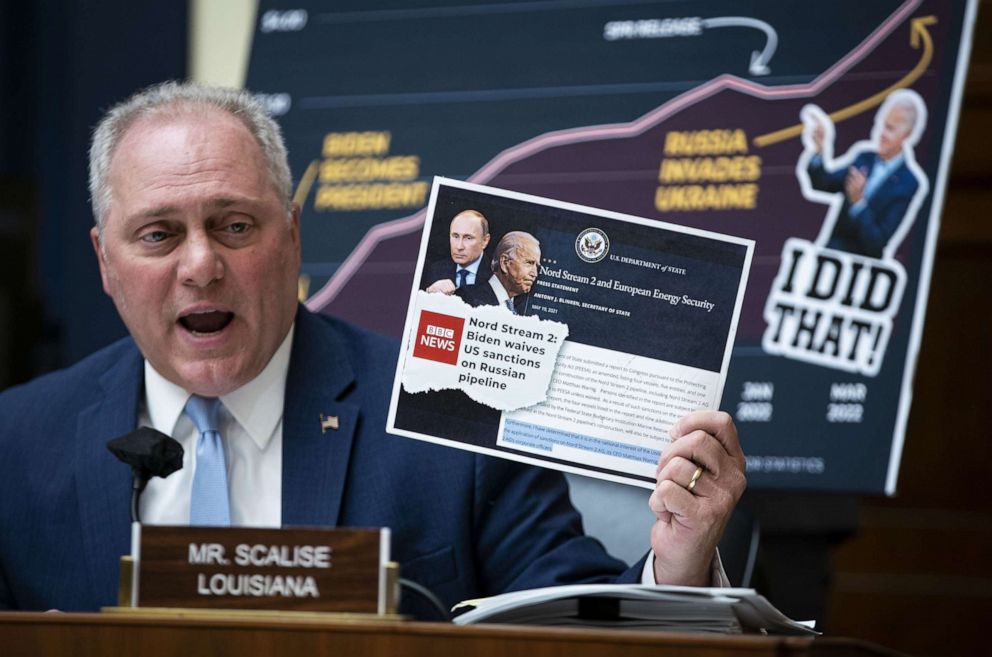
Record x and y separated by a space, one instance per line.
329 422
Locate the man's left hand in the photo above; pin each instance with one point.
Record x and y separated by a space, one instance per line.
854 184
443 286
693 509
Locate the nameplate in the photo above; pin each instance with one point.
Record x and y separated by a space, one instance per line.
336 570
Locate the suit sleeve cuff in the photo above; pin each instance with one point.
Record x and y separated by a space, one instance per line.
718 577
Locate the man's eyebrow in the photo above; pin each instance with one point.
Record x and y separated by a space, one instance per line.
228 201
161 211
157 212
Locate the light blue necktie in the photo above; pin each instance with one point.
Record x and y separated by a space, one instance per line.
509 304
209 503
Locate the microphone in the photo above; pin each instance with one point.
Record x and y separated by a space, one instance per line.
150 453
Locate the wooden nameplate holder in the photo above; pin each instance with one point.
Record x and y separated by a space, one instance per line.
345 571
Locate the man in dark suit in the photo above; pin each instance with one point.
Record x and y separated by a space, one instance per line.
515 266
468 237
880 183
198 245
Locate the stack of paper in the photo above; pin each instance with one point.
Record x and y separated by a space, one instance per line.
631 606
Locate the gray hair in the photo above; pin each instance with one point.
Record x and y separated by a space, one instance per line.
907 106
912 104
509 244
172 100
483 222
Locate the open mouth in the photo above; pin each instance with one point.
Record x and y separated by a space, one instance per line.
207 322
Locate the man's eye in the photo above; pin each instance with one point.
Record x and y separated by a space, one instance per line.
154 236
237 227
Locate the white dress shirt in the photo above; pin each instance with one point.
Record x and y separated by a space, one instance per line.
251 428
501 294
718 577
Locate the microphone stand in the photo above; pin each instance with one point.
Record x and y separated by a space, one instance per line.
139 479
150 453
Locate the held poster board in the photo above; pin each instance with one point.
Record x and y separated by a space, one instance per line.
616 328
744 121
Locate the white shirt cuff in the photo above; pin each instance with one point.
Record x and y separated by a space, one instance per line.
718 578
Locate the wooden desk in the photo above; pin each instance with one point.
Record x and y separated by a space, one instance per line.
107 635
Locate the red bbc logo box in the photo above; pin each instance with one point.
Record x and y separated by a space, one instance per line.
438 337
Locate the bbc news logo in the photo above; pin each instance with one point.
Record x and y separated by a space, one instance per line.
438 337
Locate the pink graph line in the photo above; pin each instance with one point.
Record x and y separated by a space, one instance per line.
413 222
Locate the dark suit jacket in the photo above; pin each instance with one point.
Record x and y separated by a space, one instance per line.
445 269
869 232
482 294
438 270
463 524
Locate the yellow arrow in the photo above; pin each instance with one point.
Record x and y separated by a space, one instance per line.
306 182
918 28
917 31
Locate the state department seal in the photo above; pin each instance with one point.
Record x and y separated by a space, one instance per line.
592 245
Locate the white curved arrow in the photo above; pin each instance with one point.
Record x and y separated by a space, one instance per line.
759 60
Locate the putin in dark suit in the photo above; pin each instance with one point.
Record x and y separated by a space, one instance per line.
468 237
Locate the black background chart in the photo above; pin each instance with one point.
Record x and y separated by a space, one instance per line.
531 97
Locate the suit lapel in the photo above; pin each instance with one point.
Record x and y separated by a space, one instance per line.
315 459
520 304
103 484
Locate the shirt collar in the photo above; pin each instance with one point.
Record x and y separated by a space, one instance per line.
893 163
501 294
472 266
257 406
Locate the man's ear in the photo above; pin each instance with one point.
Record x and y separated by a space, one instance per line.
295 222
503 259
100 257
485 241
296 254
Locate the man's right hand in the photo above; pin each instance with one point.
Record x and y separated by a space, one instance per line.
818 133
814 128
444 286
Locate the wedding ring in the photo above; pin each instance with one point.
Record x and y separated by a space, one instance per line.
695 477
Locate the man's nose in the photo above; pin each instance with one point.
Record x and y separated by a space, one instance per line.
200 264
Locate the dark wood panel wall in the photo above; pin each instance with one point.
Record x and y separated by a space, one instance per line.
918 576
